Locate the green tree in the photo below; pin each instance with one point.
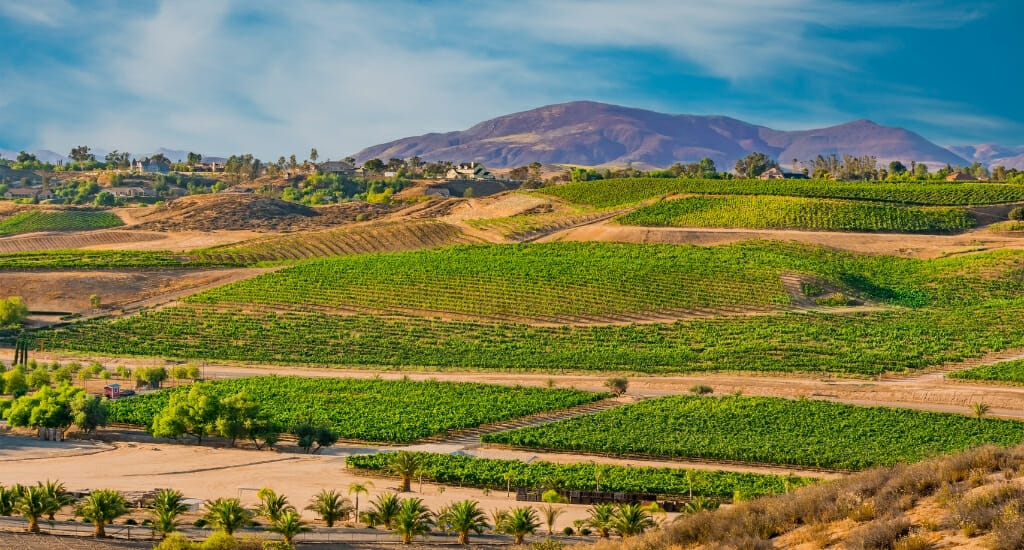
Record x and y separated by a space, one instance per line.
413 519
600 518
193 159
519 522
12 312
168 506
39 377
405 465
311 439
385 508
754 165
631 519
193 413
94 300
551 513
81 154
227 514
8 499
331 506
980 410
14 382
235 416
313 155
465 517
356 488
617 384
289 525
102 507
373 166
89 412
59 497
896 167
32 503
151 376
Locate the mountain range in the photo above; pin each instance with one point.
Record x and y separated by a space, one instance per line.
591 134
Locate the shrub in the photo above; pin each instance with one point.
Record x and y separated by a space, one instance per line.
701 389
1016 214
878 535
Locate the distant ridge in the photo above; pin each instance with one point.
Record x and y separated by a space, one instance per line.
590 133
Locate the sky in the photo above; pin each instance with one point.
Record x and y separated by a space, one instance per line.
275 78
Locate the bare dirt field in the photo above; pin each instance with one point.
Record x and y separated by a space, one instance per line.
69 291
207 473
917 246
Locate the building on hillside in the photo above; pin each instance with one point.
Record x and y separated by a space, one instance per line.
151 166
339 167
129 192
960 176
469 171
26 193
776 173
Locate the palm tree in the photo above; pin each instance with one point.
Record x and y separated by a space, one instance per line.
405 465
288 524
980 410
59 497
465 517
272 505
385 508
631 519
520 522
413 519
167 506
32 503
356 488
102 507
331 506
227 514
7 499
601 518
550 516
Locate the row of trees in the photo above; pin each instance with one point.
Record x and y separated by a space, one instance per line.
52 411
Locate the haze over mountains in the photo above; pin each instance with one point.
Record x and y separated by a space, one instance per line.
590 133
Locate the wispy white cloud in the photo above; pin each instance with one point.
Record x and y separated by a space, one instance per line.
38 12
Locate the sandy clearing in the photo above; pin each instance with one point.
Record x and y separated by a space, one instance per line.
907 245
205 473
112 238
182 241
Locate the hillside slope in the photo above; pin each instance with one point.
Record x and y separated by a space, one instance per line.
590 133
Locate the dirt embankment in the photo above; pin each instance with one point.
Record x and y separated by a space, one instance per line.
236 211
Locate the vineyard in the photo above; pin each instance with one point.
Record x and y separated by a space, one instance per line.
865 343
501 474
103 259
525 281
57 220
615 192
523 227
395 411
764 212
1009 371
767 430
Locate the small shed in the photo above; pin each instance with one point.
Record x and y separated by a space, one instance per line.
112 391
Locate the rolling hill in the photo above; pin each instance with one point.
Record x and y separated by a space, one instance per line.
992 154
590 133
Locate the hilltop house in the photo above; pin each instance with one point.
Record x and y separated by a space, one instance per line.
339 167
151 166
960 176
776 173
129 192
469 171
25 193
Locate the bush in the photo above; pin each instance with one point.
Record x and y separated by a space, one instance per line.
175 541
1016 214
617 384
12 312
701 389
880 535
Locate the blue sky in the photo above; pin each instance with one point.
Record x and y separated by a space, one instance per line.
275 78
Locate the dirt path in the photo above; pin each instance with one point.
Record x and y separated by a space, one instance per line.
908 245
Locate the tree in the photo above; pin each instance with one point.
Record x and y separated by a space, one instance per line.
631 519
551 513
617 384
313 155
465 517
14 382
754 165
32 503
373 166
88 412
102 507
309 435
289 524
331 506
235 415
600 518
81 154
94 299
48 409
227 514
357 488
385 508
39 377
193 159
272 505
8 500
151 376
405 465
413 519
980 410
12 312
193 413
168 506
519 522
896 167
921 171
59 497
